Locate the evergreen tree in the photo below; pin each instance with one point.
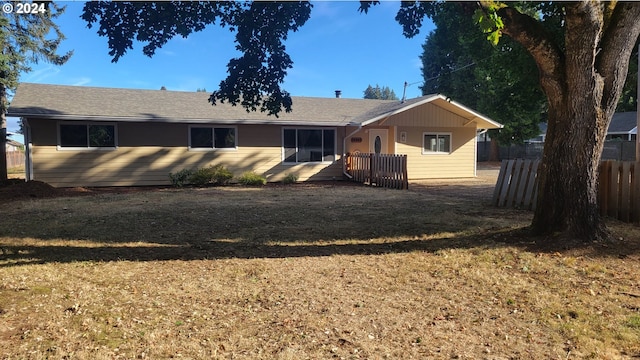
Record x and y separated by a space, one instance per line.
25 39
384 93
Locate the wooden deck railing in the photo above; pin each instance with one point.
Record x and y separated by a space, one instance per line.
384 170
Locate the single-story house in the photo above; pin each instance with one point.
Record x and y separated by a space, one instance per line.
89 136
623 126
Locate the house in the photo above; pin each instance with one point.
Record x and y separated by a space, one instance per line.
623 126
89 136
12 145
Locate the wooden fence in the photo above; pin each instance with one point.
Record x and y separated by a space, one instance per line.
618 191
15 159
384 170
517 185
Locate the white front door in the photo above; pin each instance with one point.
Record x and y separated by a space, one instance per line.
378 141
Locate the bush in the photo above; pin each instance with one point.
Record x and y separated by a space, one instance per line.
290 179
252 179
221 175
213 175
180 178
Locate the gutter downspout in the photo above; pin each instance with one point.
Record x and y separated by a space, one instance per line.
344 147
28 166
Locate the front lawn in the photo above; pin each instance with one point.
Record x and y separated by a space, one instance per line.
306 271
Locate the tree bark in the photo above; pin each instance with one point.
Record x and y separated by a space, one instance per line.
3 134
582 84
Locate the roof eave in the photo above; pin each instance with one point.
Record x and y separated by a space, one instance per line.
69 117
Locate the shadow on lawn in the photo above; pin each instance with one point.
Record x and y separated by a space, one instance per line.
212 250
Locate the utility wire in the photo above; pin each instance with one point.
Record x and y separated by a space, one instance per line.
406 84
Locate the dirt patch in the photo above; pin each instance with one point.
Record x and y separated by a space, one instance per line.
18 189
14 189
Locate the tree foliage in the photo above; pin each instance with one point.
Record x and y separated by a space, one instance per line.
382 93
261 28
629 98
500 81
25 39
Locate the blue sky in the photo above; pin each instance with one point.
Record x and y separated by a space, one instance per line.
338 48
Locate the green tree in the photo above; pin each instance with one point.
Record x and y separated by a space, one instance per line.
253 79
25 39
583 76
499 81
629 98
382 93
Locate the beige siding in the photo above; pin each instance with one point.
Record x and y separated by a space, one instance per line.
148 152
459 163
427 115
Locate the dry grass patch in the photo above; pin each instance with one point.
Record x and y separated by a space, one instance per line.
294 272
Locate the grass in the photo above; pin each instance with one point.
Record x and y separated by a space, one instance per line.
306 271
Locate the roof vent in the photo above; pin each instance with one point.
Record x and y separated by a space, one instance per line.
338 94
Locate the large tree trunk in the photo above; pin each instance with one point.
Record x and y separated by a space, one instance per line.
568 176
3 133
583 83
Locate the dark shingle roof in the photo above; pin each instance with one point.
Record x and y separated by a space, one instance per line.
61 102
623 122
67 102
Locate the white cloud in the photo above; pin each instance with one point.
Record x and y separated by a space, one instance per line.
41 74
82 81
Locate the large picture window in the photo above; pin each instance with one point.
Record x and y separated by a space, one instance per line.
309 145
212 137
436 143
87 135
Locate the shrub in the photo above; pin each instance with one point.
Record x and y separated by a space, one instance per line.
213 175
221 175
250 178
180 178
290 179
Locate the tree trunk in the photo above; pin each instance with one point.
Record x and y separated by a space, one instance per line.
494 150
3 133
567 201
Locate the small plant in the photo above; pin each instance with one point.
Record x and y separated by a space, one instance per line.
290 179
180 178
250 178
221 175
201 177
212 175
634 322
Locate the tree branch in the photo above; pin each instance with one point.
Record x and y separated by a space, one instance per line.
616 44
546 53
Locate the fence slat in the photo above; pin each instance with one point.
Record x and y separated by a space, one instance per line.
635 193
499 183
532 185
625 191
613 189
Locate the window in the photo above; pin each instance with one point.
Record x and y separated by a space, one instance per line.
212 137
87 135
309 145
435 143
